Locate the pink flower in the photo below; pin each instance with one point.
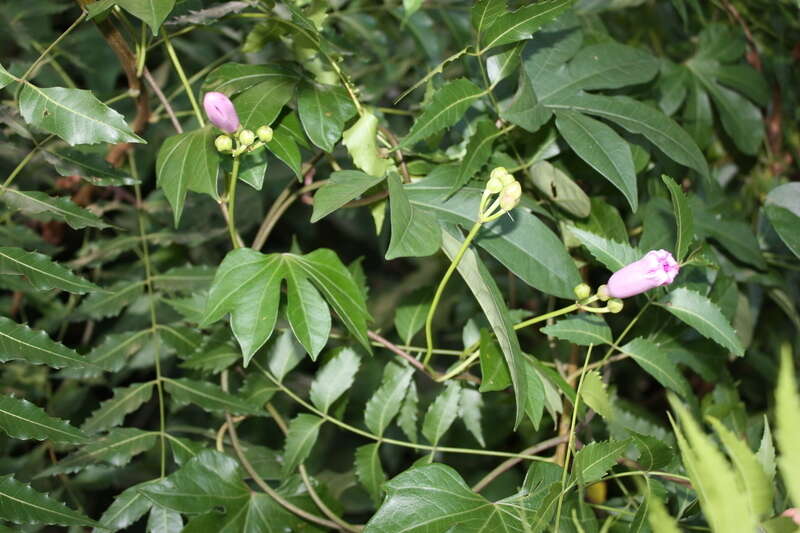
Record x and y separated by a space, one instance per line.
655 269
221 112
793 513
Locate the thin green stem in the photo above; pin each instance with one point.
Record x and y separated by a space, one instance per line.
625 331
21 165
231 200
440 289
52 45
571 441
182 75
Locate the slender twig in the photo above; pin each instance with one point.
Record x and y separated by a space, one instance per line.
182 75
52 45
510 463
163 99
395 349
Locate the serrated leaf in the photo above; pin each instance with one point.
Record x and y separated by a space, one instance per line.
614 255
384 405
44 207
442 413
303 433
595 395
683 217
446 108
187 161
582 330
478 151
20 504
261 104
324 110
766 452
653 360
485 12
128 507
469 410
109 302
369 470
111 354
594 460
117 448
19 342
189 279
112 411
603 149
23 420
787 418
783 211
415 231
207 396
361 142
41 271
89 166
5 77
410 315
653 453
407 419
75 115
152 12
342 186
307 312
703 315
520 24
334 379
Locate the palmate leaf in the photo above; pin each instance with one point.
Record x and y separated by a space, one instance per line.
43 207
247 285
74 115
112 411
324 110
520 24
23 420
20 504
703 315
42 271
334 379
187 161
261 104
19 342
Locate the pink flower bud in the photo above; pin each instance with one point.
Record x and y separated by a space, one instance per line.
655 269
793 513
221 112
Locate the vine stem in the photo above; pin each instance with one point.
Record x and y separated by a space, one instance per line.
236 241
182 75
571 441
52 45
440 289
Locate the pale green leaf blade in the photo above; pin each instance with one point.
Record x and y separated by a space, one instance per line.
410 315
415 231
284 354
442 413
342 186
595 395
303 433
152 12
478 152
334 379
42 271
232 78
659 518
128 507
582 330
112 411
560 189
783 211
594 460
74 115
323 110
703 315
20 504
163 520
407 419
520 24
683 217
23 420
384 405
610 65
19 342
614 255
657 363
43 207
469 410
369 470
261 104
361 142
207 396
787 432
308 314
5 77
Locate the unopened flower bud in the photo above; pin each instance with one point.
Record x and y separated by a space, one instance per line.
615 305
602 293
498 172
220 111
655 269
509 197
247 137
494 185
223 144
264 134
582 291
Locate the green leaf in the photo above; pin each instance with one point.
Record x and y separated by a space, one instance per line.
703 315
523 244
524 109
766 452
610 65
41 271
303 433
208 480
603 149
478 151
361 142
385 403
284 147
20 504
488 295
595 395
117 448
342 186
446 108
152 12
469 410
559 188
520 24
187 161
725 508
415 231
683 217
163 520
410 315
736 236
112 411
253 168
43 207
369 470
110 302
658 516
787 417
594 460
494 370
640 118
232 78
307 312
485 12
284 354
23 420
783 211
128 507
407 420
19 342
90 167
653 360
5 77
261 104
188 279
442 413
323 110
334 379
614 255
582 330
112 353
748 470
207 396
653 453
74 115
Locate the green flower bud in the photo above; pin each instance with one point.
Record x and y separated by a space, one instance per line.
509 197
615 305
582 291
494 185
223 144
507 179
264 134
247 137
498 173
602 293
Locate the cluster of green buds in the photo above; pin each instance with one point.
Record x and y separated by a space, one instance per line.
243 141
584 299
508 192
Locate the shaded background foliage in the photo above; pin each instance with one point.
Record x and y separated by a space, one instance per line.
139 384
